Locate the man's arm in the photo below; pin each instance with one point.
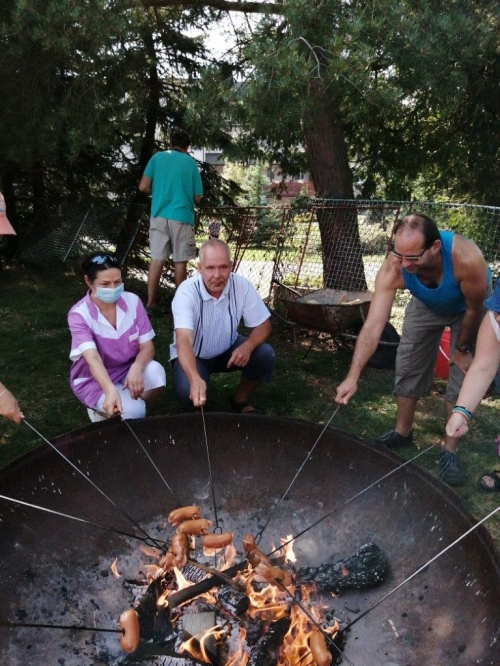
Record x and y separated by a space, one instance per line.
187 359
198 198
145 185
469 268
259 334
389 278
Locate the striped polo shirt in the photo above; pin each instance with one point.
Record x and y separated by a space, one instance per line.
215 321
117 347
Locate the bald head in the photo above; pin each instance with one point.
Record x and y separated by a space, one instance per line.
418 223
210 246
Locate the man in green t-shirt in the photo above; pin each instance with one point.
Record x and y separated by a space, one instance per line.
173 179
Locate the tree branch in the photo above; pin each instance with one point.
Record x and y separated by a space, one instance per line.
244 6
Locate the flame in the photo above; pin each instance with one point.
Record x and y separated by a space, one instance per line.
180 580
114 569
150 551
287 549
268 603
197 645
152 571
239 656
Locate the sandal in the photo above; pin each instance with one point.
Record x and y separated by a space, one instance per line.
494 476
242 407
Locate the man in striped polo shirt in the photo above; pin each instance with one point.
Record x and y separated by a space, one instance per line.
208 309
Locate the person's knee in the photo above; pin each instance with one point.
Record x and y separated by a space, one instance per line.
154 376
134 409
266 354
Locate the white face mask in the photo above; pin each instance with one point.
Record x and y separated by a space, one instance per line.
109 294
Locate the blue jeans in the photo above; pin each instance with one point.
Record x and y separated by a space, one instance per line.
260 366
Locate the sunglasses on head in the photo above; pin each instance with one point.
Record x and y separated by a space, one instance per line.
103 258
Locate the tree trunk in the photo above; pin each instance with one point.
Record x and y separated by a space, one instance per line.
329 165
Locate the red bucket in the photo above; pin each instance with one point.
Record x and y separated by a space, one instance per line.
442 368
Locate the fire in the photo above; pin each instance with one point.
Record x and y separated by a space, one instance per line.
287 549
269 602
201 647
114 568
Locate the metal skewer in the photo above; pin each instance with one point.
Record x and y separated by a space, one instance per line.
420 569
348 501
259 534
7 623
151 461
80 520
212 488
89 480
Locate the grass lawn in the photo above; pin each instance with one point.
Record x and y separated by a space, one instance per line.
34 348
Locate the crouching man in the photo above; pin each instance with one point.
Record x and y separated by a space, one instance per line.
207 310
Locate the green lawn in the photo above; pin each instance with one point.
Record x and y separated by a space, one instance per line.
34 348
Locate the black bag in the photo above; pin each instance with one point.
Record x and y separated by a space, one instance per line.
385 355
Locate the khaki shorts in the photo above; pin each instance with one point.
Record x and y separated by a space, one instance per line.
168 238
417 352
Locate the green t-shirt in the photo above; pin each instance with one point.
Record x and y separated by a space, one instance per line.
175 181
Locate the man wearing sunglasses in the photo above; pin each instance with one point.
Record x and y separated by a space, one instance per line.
448 279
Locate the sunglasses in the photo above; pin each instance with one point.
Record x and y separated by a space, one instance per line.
103 258
408 257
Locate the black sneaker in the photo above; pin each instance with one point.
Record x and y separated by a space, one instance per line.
393 440
451 471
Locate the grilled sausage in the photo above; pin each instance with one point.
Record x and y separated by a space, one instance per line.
178 516
217 540
129 626
200 526
270 574
167 561
320 652
179 549
254 555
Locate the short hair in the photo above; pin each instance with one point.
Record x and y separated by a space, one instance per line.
97 262
213 242
180 139
422 223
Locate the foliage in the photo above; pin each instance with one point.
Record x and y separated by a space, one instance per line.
413 86
88 95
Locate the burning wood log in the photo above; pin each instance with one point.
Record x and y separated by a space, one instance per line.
237 603
204 585
154 620
366 568
264 652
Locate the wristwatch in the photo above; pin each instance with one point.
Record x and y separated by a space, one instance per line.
465 349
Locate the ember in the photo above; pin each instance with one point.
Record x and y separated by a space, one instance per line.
248 614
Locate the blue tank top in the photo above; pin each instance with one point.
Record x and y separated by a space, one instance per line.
445 299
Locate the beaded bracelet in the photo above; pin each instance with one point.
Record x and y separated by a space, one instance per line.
462 410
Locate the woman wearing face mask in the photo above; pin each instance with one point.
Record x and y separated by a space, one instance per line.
112 349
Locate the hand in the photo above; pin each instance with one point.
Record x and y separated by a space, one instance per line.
198 392
346 390
134 381
112 404
9 407
457 425
241 355
462 361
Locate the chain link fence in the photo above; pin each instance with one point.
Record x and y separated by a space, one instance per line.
287 252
